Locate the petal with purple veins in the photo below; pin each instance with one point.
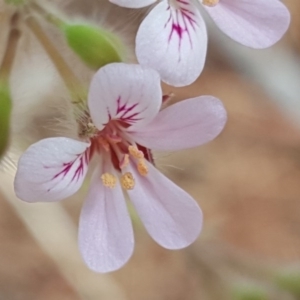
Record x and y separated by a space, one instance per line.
173 40
51 169
129 93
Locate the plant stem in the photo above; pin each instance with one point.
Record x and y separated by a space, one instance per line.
11 49
47 15
69 78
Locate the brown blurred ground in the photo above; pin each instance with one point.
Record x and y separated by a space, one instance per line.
247 182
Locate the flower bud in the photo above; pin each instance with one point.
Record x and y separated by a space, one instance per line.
5 109
93 45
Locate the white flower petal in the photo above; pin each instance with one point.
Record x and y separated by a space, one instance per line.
186 124
171 216
253 23
105 232
132 3
173 41
51 169
130 93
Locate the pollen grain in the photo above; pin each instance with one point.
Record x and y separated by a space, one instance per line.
142 167
210 3
135 152
127 181
109 180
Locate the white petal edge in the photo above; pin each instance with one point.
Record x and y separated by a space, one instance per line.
171 216
257 23
51 169
126 92
186 124
106 238
173 42
133 3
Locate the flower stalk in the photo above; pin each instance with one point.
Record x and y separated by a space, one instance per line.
71 81
10 51
51 18
5 71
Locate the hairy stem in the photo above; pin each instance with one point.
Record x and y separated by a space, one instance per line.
47 15
11 49
69 78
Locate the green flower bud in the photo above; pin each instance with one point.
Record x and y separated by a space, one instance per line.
93 45
290 282
5 109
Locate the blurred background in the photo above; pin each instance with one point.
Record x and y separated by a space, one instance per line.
247 181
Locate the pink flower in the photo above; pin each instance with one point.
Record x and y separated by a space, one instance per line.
173 40
123 123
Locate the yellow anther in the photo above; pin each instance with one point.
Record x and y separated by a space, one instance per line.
125 161
210 2
142 167
109 180
135 152
127 181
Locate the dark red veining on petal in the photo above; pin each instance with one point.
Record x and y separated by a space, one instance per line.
182 20
83 159
125 111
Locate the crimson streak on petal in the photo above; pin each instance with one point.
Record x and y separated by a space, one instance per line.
83 161
183 20
123 112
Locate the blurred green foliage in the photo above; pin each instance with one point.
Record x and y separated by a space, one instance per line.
249 293
15 2
290 282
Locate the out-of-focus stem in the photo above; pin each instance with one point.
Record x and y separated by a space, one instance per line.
5 70
11 49
69 78
47 15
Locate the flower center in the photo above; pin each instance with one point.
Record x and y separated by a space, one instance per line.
210 3
115 144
